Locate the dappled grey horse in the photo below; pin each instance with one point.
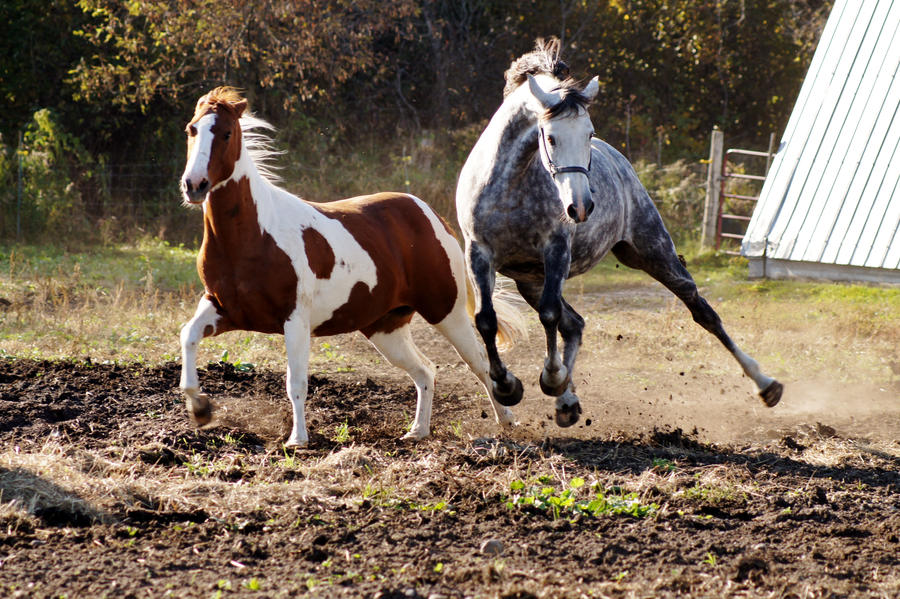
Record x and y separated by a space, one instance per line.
539 200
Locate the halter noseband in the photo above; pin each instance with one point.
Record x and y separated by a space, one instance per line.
556 170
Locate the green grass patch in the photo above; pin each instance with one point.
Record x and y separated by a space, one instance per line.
148 263
577 499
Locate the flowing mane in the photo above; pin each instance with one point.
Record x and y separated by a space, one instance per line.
258 144
545 60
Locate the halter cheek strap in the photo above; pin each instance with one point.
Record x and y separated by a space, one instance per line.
556 170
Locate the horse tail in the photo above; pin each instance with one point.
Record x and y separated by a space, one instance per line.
511 324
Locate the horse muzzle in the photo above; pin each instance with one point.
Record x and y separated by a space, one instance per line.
580 211
194 194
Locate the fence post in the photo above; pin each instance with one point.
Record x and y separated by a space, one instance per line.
713 189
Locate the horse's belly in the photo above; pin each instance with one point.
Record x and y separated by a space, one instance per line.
362 308
343 308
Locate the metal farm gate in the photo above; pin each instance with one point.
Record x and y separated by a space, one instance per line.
731 192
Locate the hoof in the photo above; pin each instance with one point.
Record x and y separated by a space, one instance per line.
509 394
506 419
555 390
293 443
414 436
568 410
200 409
771 395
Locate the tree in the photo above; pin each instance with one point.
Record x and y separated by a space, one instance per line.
164 50
682 66
36 51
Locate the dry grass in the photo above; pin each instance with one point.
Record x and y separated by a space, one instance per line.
121 304
87 486
128 303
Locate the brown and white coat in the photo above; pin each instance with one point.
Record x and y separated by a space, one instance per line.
273 263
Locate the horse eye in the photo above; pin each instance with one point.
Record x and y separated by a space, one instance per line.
551 140
227 135
191 130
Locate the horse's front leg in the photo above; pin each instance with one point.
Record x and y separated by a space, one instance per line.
557 316
297 342
203 324
507 389
557 257
571 327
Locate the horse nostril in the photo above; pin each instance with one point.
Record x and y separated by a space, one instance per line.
203 185
573 214
186 183
588 208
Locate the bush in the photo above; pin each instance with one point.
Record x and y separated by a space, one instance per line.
679 192
55 169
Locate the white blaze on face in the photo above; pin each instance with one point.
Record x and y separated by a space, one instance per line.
196 171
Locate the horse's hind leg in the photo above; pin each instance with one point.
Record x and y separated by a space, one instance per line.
398 348
458 330
664 265
205 322
559 383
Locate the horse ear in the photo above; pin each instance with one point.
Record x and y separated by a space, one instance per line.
239 107
200 102
590 90
547 100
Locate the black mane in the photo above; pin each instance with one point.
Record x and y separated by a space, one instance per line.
544 59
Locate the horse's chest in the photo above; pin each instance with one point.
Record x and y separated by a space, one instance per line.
513 231
255 291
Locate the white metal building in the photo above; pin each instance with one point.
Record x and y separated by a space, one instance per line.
830 205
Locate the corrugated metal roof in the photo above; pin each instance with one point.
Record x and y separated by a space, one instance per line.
832 195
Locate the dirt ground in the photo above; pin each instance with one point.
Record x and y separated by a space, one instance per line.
109 491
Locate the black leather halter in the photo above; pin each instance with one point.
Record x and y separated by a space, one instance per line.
556 170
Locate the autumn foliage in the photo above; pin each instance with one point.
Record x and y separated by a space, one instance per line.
120 75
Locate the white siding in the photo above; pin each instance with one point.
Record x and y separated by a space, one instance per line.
833 193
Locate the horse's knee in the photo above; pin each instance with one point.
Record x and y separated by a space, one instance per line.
186 337
571 326
486 323
550 314
297 388
192 333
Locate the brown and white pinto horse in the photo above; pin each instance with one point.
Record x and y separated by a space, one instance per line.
273 263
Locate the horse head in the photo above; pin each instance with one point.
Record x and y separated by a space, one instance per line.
213 143
565 131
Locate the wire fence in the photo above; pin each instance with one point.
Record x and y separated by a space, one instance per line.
144 187
123 198
48 203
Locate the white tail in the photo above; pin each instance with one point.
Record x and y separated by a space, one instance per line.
510 322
